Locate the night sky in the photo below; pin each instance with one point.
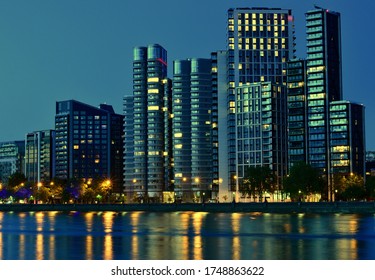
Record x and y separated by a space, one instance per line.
82 49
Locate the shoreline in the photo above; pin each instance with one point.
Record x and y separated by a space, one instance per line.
270 207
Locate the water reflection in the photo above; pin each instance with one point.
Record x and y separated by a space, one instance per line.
185 235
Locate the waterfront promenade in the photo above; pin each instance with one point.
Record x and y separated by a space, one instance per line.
274 207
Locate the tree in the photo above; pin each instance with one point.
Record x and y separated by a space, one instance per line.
353 187
303 179
370 187
257 180
16 179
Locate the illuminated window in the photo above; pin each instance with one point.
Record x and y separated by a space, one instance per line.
178 135
153 80
153 108
178 146
76 147
153 90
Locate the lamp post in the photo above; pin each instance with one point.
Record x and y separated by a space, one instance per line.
196 180
39 185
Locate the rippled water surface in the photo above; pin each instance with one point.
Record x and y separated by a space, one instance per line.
185 235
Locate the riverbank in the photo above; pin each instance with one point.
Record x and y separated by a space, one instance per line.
275 207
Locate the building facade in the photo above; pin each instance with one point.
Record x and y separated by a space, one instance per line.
40 156
261 128
89 142
260 42
194 130
151 92
324 82
12 158
297 112
347 143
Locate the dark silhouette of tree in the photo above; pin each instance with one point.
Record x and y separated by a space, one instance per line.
370 187
16 179
257 180
303 179
353 187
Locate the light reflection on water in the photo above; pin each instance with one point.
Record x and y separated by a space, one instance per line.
185 235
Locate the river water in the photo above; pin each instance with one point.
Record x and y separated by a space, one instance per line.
185 235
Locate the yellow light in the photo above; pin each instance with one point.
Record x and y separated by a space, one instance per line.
153 90
178 135
153 80
153 108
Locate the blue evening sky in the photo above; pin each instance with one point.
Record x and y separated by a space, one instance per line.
53 50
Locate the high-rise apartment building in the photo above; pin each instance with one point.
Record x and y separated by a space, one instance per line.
128 112
323 130
260 42
297 114
151 93
219 91
261 128
89 142
347 143
40 156
12 156
194 130
324 83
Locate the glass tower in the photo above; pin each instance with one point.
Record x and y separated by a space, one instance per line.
261 128
297 123
150 88
259 42
39 156
194 128
347 144
323 81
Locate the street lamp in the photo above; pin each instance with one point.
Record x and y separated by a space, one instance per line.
197 180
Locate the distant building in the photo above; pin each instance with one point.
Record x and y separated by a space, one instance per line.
370 163
89 142
12 156
40 156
